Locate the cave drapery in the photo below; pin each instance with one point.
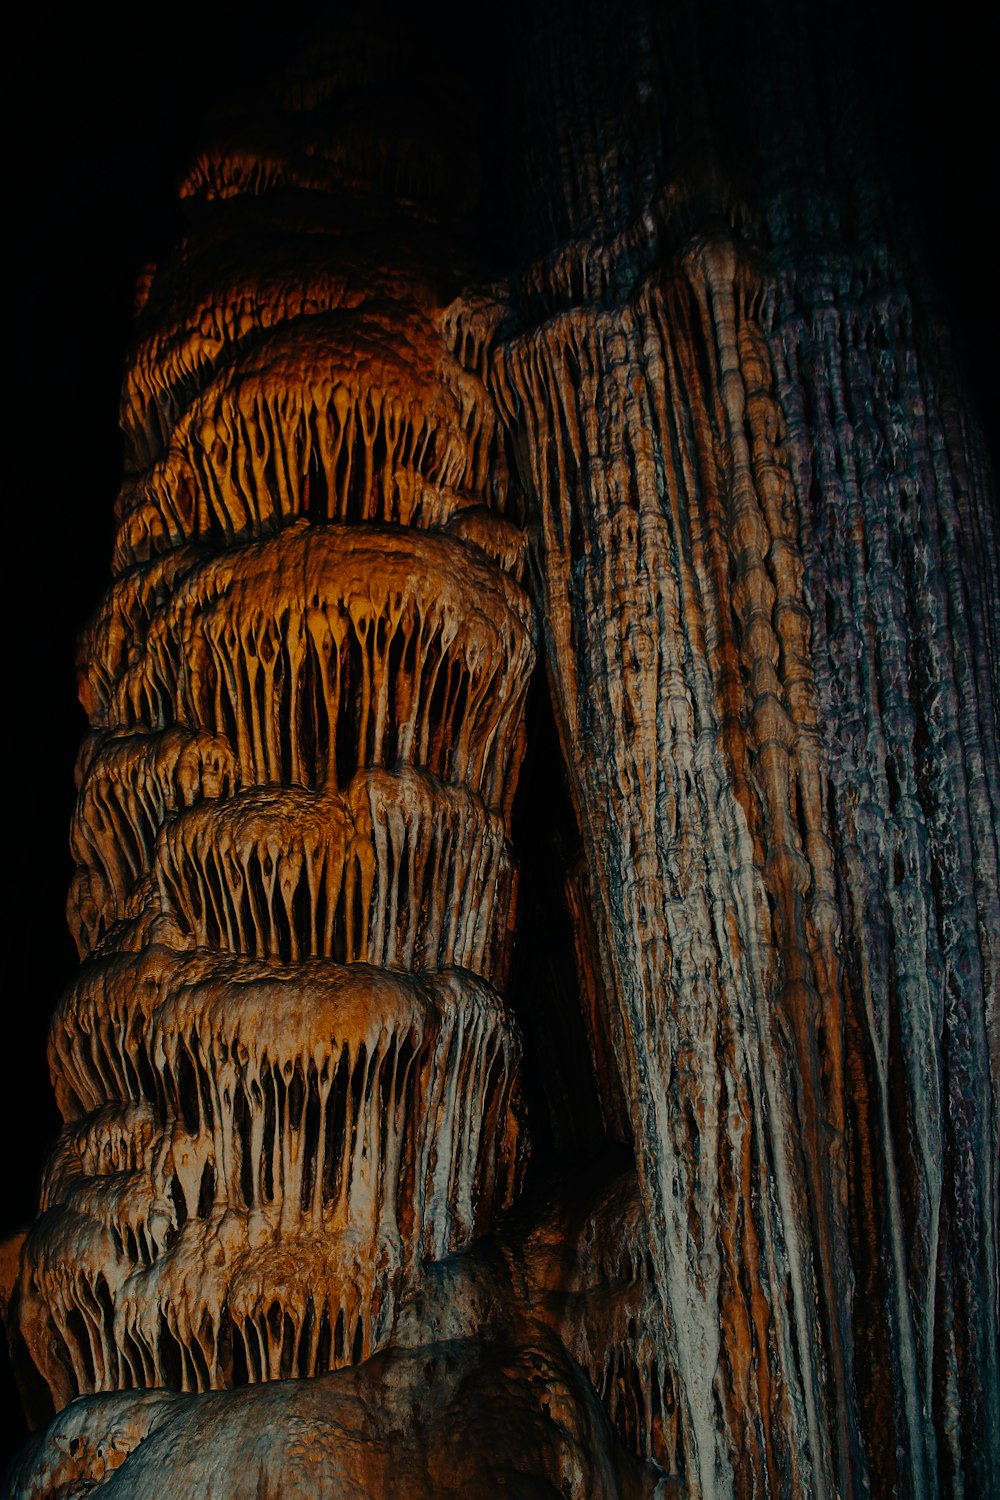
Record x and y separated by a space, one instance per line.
668 1161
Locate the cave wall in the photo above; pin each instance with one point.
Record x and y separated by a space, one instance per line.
712 395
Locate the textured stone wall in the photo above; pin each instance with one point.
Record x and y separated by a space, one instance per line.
768 561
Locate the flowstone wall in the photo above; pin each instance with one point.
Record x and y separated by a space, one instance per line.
684 1180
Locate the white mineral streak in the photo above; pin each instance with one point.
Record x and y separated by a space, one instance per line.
613 466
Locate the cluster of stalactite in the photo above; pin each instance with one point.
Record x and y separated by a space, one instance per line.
699 892
901 551
286 1069
770 589
286 1144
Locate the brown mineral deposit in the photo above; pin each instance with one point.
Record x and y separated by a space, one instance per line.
703 449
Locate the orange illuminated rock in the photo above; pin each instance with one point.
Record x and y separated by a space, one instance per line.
288 1074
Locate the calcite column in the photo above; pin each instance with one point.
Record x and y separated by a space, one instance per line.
768 565
285 1067
631 485
901 553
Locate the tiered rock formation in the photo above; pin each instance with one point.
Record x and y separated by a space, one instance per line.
286 1069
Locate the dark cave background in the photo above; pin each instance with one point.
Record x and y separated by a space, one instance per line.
104 109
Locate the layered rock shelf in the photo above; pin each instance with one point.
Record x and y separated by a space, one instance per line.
287 1070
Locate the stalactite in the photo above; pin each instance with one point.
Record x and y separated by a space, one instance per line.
301 1115
626 618
762 611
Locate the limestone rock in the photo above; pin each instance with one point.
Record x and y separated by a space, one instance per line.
702 447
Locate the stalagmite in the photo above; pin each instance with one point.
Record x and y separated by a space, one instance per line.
683 1179
286 1069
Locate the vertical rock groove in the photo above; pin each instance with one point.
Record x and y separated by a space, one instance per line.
770 616
689 430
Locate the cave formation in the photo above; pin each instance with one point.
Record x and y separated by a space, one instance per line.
634 1132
